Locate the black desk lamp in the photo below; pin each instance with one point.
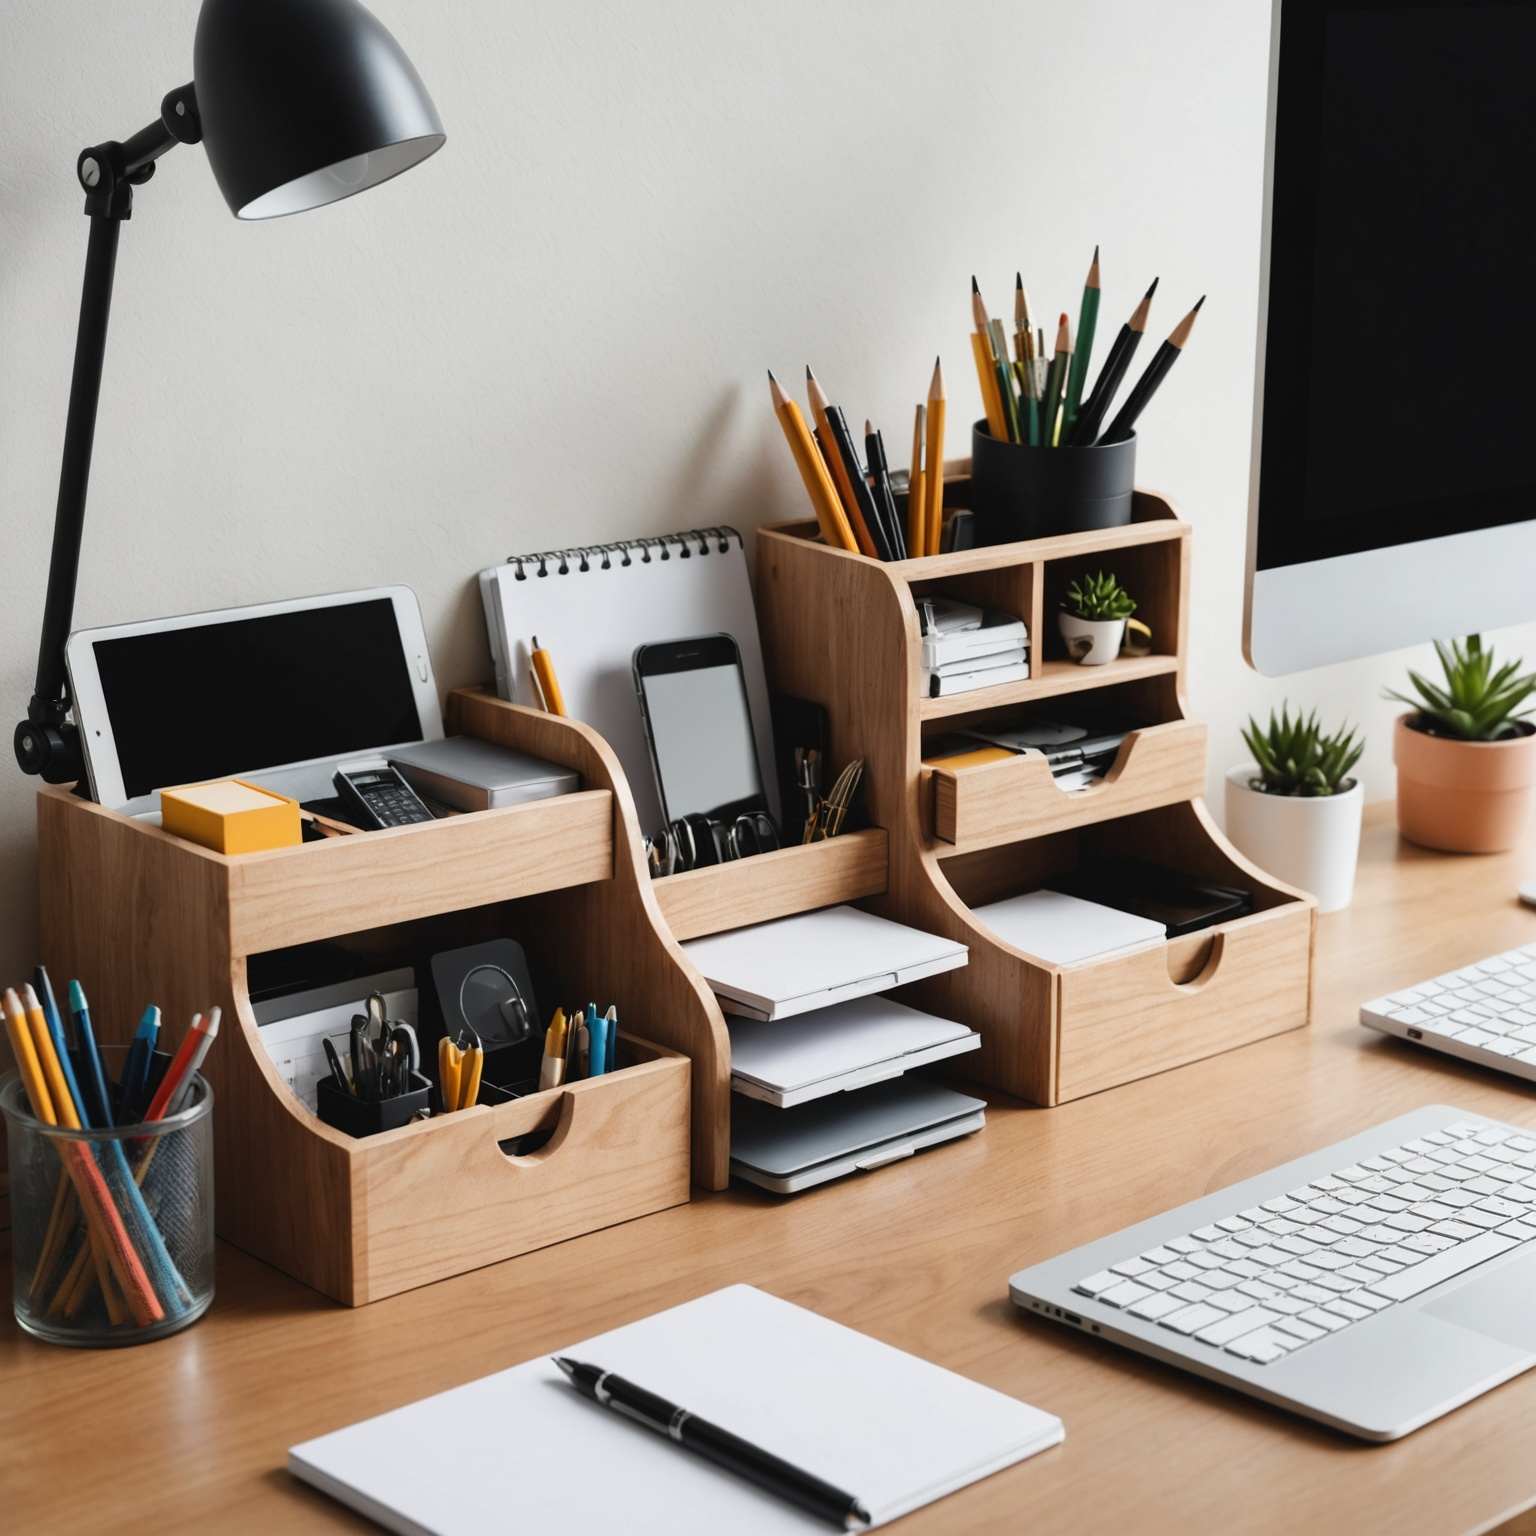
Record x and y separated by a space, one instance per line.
299 103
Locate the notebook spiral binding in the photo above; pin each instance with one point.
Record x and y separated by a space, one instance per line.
563 562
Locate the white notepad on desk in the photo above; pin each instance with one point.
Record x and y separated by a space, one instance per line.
1066 930
794 964
522 1451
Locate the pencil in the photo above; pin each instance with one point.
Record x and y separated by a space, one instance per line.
1113 372
102 1216
852 513
1005 379
544 677
1023 331
813 470
880 485
933 491
1054 380
1087 323
1146 386
917 506
986 368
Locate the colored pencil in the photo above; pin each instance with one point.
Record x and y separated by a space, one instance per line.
813 470
933 491
1005 390
101 1213
917 506
1055 380
1146 386
545 680
93 1079
1087 324
1095 407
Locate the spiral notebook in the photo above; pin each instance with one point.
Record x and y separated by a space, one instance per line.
591 607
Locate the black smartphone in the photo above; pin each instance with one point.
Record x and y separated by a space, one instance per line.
698 725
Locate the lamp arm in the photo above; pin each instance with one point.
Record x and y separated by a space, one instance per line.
47 744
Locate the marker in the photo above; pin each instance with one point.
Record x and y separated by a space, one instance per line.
597 1042
133 1090
612 1020
183 1090
552 1063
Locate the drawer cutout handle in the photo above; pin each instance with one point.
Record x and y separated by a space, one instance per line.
1190 970
532 1144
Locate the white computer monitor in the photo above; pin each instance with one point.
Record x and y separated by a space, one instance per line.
1393 492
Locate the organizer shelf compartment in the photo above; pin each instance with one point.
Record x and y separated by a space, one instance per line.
139 915
769 885
843 630
991 803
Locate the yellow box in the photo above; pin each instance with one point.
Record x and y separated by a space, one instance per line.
231 816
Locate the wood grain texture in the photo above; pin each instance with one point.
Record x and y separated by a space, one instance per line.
1002 802
770 885
343 885
843 630
140 915
613 931
917 1255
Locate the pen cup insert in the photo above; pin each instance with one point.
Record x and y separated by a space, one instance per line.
1023 492
111 1230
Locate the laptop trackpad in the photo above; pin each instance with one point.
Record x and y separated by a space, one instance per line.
1500 1305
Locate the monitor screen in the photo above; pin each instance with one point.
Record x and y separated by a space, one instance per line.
1402 314
246 694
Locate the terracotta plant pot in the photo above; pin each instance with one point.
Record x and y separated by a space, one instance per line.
1462 796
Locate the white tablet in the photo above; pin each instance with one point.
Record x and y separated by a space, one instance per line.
278 693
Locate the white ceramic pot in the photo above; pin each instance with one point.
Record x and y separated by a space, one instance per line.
1307 841
1091 641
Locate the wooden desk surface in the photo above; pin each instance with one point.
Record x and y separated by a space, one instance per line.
193 1431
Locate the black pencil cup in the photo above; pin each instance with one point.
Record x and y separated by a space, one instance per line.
1020 492
361 1117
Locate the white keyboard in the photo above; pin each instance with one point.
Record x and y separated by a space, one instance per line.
1267 1281
1485 1012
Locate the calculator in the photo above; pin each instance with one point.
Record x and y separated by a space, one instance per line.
379 797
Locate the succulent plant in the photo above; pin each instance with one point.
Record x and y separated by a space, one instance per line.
1477 702
1296 757
1099 597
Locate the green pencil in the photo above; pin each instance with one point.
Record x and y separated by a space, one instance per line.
999 340
1086 321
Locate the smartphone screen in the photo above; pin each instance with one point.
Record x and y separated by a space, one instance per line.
701 728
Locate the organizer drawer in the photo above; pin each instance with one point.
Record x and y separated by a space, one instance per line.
996 803
440 1197
1193 997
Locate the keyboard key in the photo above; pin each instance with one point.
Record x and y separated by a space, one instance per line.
1281 1204
1160 1256
1158 1281
1123 1295
1443 1266
1314 1294
1153 1308
1210 1234
1362 1276
1263 1347
1329 1322
1130 1268
1233 1224
1429 1242
1179 1270
1519 1230
1190 1291
1210 1259
1479 1218
1381 1264
1189 1320
1406 1221
1182 1244
1367 1299
1258 1290
1500 1207
1231 1301
1095 1285
1347 1309
1298 1328
1234 1327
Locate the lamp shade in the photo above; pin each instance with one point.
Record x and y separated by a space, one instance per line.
304 102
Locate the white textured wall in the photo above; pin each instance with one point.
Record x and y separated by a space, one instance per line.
557 329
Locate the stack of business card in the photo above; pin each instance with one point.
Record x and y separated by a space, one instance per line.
965 647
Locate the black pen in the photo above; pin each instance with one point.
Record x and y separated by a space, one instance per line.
880 486
717 1445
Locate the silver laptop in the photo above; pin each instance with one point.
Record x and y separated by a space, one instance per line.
1374 1285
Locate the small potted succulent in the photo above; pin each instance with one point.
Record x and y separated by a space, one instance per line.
1295 809
1466 754
1093 618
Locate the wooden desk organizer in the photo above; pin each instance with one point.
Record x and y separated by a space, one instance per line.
842 629
139 915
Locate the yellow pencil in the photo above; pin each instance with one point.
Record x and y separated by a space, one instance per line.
917 505
934 489
544 677
986 369
813 471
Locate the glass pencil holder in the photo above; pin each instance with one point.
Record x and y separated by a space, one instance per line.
111 1230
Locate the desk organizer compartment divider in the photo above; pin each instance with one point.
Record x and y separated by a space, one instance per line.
842 630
